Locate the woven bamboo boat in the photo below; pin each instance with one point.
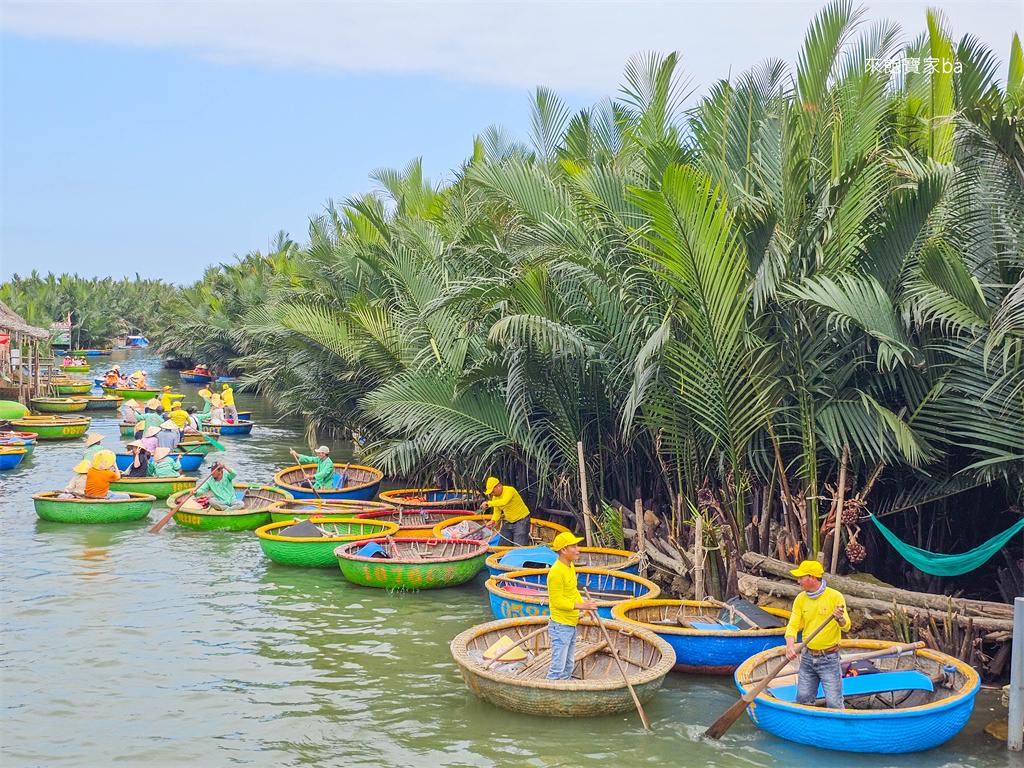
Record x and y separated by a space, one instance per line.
596 686
518 558
87 510
700 650
318 552
127 428
72 387
102 403
26 440
192 377
136 394
412 563
59 404
362 482
193 448
75 368
432 498
91 353
302 509
157 487
541 531
11 456
189 462
238 428
255 513
510 598
54 427
414 523
896 721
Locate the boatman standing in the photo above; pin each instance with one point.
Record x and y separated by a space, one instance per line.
228 396
324 477
505 500
565 603
820 661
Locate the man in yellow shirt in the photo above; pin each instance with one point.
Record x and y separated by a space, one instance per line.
505 500
820 662
566 603
228 396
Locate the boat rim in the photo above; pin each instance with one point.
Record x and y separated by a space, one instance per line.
634 557
339 552
653 590
619 609
52 496
346 489
263 532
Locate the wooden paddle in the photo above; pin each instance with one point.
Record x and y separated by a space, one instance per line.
895 650
156 528
724 723
343 477
618 662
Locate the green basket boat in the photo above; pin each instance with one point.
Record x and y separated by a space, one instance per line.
137 394
301 509
197 449
59 404
53 427
75 368
104 403
158 487
127 429
257 498
72 387
88 510
318 551
418 563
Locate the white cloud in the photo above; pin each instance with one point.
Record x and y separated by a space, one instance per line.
575 46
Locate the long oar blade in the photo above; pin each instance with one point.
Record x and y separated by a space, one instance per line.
156 528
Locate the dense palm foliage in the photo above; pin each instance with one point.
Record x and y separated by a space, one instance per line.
100 309
719 302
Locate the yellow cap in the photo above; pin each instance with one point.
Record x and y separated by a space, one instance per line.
82 467
103 460
564 539
167 389
491 482
226 386
809 568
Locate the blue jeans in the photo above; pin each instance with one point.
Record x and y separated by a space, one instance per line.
563 649
828 671
116 495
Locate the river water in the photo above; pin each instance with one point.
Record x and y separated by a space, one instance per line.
190 648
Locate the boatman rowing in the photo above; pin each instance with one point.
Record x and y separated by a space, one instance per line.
565 603
505 500
820 661
324 477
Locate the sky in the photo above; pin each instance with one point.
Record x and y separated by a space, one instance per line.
162 137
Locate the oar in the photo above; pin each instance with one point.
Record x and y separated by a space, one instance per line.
343 477
522 640
724 723
733 612
212 442
156 528
618 662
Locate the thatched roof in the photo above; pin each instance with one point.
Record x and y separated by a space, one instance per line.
12 321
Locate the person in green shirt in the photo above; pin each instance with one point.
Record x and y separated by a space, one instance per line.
207 406
220 491
92 445
163 464
324 477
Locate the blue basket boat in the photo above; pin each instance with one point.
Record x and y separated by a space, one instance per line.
361 483
239 428
891 722
521 558
191 377
189 461
513 593
708 641
10 457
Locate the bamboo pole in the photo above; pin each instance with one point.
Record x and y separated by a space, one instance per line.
583 492
839 510
1015 720
698 559
641 536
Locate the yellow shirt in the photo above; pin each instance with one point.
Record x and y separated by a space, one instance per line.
166 400
228 396
179 417
563 593
510 503
811 613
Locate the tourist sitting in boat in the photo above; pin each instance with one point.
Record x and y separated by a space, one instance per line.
220 490
206 394
92 445
216 409
820 662
154 413
77 485
324 475
148 439
140 462
139 379
202 369
195 421
67 360
163 464
101 474
169 435
565 603
110 379
505 500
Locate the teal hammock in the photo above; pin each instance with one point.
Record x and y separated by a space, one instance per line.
949 565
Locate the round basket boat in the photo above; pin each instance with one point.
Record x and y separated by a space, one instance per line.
900 720
158 487
75 368
54 427
414 523
59 404
136 394
26 440
432 498
50 507
192 377
238 428
361 484
188 462
102 403
193 448
702 649
412 563
127 428
541 531
255 513
10 456
596 686
301 509
72 387
524 593
318 551
518 558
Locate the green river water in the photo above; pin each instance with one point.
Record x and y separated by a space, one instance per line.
122 647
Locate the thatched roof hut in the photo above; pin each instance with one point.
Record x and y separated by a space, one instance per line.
12 322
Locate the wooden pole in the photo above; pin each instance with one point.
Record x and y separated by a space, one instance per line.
583 492
1015 720
840 501
641 536
698 559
